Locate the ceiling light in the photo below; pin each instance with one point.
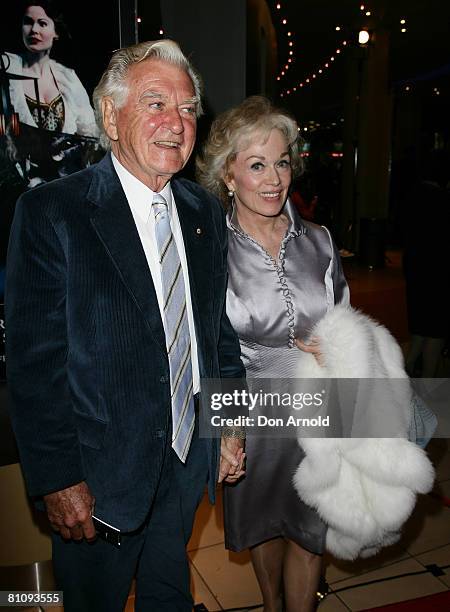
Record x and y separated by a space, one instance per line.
402 21
338 28
289 33
284 21
368 13
363 37
403 30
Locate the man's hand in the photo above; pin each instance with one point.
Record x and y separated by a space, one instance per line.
70 512
231 459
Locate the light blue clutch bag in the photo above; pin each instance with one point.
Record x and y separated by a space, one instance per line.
423 422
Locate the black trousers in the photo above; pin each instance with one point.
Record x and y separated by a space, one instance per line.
96 577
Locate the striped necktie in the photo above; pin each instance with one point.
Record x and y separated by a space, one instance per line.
178 339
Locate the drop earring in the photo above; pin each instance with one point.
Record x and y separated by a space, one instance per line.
230 193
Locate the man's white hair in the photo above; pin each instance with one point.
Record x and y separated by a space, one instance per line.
113 83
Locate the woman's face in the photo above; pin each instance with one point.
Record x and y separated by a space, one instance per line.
261 174
38 30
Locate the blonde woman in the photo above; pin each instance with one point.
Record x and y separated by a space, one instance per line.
284 274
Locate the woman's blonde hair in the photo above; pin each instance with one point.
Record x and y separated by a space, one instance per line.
232 132
113 82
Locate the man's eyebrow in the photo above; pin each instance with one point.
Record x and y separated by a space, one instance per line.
152 94
193 100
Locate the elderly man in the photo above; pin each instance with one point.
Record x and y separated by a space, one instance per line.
115 310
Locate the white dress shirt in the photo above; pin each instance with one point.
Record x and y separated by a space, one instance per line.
140 198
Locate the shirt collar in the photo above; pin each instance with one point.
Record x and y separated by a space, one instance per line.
139 196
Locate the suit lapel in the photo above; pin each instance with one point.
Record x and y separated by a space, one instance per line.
114 224
196 229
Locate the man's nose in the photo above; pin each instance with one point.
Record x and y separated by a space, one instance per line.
174 121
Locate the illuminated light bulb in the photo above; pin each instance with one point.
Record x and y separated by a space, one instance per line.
161 32
278 78
301 84
284 21
288 92
298 129
363 37
320 70
294 88
282 74
338 51
289 33
139 20
326 65
407 88
362 7
291 43
437 92
344 42
402 21
305 129
403 30
307 80
332 58
291 53
281 95
289 60
278 6
338 29
286 67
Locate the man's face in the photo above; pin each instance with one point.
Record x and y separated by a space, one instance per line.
153 133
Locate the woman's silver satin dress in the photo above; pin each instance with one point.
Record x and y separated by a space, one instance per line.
269 304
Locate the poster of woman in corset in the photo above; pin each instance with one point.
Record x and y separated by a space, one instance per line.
50 61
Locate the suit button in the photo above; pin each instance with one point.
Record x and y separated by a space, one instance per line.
159 433
164 379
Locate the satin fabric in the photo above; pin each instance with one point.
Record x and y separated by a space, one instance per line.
269 304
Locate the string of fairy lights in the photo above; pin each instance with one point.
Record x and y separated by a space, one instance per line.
324 67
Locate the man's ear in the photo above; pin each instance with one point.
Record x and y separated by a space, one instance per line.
109 117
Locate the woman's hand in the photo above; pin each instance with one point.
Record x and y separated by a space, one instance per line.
313 347
232 457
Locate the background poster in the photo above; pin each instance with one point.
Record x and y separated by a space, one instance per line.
52 55
47 126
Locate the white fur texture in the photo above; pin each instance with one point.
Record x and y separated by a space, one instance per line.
363 488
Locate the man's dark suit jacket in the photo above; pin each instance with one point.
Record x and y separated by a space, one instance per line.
86 356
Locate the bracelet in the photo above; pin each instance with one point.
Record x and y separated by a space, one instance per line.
233 432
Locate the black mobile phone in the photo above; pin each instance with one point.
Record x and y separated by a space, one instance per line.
106 531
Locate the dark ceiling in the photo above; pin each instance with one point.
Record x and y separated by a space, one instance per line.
414 54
